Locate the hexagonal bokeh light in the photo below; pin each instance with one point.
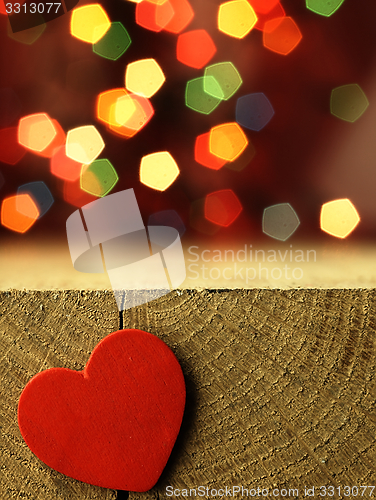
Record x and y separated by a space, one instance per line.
19 212
89 23
144 77
348 102
36 132
203 154
222 207
254 111
280 221
158 170
84 144
154 16
227 77
236 18
339 218
98 178
114 43
227 141
197 99
281 35
195 48
324 7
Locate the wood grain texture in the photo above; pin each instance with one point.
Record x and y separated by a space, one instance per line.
281 384
40 330
281 387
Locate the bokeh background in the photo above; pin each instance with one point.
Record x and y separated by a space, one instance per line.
304 156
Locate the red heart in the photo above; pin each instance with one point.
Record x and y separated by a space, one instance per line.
115 423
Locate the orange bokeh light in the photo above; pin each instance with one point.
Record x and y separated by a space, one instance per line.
195 48
58 141
154 16
227 141
105 101
183 15
281 35
19 212
222 207
203 154
63 167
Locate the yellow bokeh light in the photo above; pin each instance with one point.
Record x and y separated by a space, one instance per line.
236 18
123 110
158 170
227 141
339 218
89 23
144 77
84 144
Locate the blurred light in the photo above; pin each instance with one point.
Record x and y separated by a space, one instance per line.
10 150
263 6
183 15
203 154
158 170
324 7
114 43
36 132
222 207
280 221
28 36
167 218
134 121
105 101
57 141
3 8
40 194
84 144
339 218
98 178
254 111
144 77
10 107
227 78
281 35
197 99
227 141
74 195
195 48
19 212
236 18
63 167
244 159
153 16
348 102
276 13
89 23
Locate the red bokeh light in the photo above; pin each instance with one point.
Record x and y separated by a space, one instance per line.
222 207
195 48
152 16
203 154
10 150
183 15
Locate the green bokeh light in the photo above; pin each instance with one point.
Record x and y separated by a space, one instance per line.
324 7
98 178
348 102
227 77
197 99
114 43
